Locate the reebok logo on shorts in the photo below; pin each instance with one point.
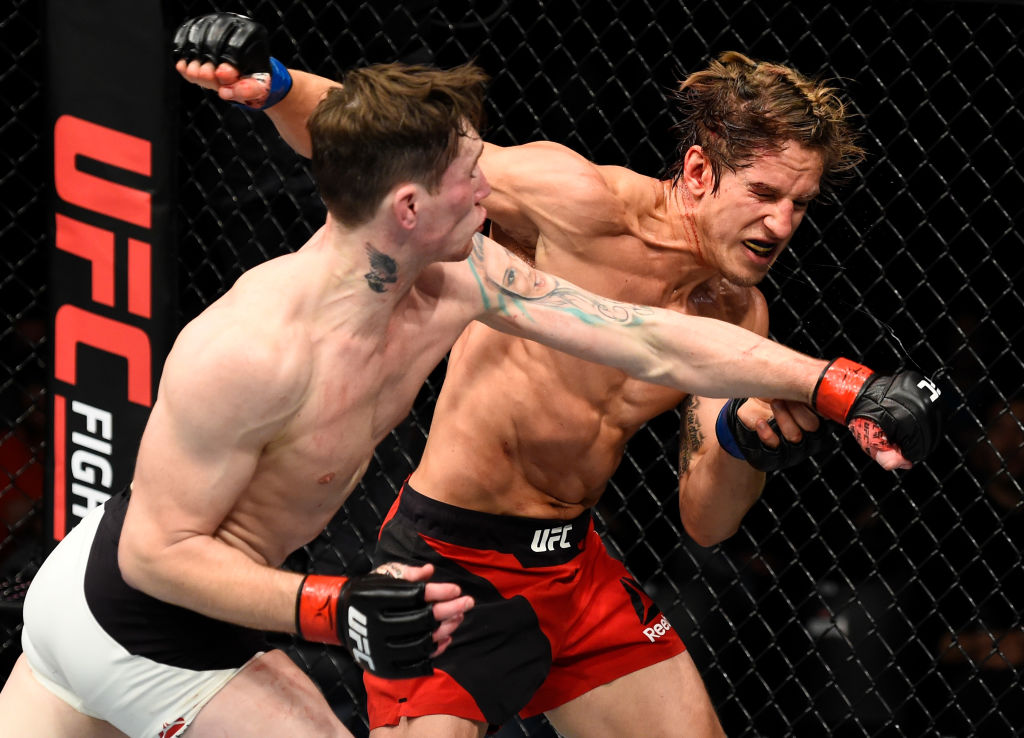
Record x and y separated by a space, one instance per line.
646 614
636 596
657 630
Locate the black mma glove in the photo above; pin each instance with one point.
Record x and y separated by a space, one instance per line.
224 37
239 41
742 442
385 622
903 405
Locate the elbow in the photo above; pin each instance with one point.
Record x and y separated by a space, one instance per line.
707 536
136 562
707 541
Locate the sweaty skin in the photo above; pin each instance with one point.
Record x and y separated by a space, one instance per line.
526 430
255 442
547 431
536 432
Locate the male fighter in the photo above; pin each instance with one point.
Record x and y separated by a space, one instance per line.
525 438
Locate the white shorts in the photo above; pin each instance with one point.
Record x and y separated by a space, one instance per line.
75 658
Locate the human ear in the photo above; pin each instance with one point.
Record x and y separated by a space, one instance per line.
698 176
405 204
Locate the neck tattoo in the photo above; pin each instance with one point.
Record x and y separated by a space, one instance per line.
383 270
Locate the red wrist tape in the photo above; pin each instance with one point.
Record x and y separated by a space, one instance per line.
838 387
316 608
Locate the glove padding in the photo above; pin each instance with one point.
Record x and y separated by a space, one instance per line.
385 622
762 457
224 37
905 406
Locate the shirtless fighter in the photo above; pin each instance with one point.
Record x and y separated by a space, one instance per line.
359 316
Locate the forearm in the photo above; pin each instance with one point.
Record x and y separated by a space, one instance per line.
715 488
716 494
291 113
713 358
692 354
206 575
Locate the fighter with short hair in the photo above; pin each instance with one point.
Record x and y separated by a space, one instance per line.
273 399
524 438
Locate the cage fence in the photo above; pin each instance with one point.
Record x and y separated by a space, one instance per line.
852 602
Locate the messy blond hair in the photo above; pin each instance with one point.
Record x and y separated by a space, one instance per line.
738 107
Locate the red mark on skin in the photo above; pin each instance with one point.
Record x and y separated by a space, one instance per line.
326 478
689 219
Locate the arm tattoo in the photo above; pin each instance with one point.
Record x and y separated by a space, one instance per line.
691 437
520 286
383 270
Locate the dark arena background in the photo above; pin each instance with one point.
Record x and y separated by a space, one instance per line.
852 602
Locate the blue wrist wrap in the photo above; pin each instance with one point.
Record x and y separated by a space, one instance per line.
725 437
280 85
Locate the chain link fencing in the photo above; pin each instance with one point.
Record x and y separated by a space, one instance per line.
852 602
23 344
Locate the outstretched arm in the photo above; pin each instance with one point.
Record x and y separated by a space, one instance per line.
289 115
691 354
699 355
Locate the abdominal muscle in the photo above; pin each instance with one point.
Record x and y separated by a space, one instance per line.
527 431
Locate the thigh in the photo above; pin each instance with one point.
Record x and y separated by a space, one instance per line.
431 726
270 696
665 700
28 708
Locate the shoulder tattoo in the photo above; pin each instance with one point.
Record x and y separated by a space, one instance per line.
520 286
691 437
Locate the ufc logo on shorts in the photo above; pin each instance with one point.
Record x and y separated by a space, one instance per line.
360 643
657 630
545 539
927 384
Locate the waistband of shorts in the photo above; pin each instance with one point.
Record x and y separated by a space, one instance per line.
475 529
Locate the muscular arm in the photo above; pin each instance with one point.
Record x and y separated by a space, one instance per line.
695 355
529 183
544 188
289 115
715 489
219 405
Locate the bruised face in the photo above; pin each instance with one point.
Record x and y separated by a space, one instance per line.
750 220
457 212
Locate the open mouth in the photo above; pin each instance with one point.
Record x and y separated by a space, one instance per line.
761 248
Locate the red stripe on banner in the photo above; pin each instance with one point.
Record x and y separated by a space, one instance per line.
60 505
113 269
74 326
95 245
140 257
74 137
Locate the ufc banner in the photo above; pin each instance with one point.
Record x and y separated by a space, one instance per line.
111 112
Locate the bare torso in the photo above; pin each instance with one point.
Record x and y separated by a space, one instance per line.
351 370
521 429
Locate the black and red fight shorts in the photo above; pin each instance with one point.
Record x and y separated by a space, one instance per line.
555 615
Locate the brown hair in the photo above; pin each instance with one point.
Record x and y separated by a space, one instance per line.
738 107
388 124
